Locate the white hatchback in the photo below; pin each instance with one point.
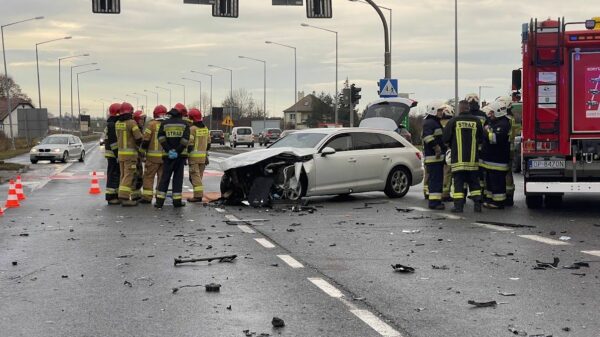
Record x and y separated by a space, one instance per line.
241 135
329 161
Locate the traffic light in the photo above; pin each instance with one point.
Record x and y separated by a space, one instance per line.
226 8
354 94
318 9
346 96
106 6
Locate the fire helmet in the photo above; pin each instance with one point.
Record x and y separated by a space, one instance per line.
498 108
433 107
159 111
114 109
181 108
472 97
507 100
195 115
139 116
126 108
448 110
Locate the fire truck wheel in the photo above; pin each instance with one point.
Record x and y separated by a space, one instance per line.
553 201
534 201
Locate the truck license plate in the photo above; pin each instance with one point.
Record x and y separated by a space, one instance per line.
546 164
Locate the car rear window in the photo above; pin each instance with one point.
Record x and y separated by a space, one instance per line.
244 131
218 133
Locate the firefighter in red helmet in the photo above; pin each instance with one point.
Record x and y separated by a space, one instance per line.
154 154
129 139
111 150
198 153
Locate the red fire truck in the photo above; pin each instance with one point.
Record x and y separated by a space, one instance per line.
561 113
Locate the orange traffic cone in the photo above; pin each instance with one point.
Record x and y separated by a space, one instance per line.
19 187
95 188
12 201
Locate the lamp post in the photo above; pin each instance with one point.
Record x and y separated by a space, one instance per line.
336 64
7 83
389 10
480 87
295 73
153 92
456 56
137 100
60 86
78 100
72 67
103 106
230 86
264 88
200 83
169 90
146 97
211 92
181 85
37 64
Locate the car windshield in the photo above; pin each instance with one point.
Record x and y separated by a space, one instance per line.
300 140
55 140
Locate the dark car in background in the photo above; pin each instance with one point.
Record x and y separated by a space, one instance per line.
268 136
217 137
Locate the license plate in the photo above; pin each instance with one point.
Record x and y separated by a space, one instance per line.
546 164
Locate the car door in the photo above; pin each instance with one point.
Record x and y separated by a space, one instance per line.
335 172
74 147
371 160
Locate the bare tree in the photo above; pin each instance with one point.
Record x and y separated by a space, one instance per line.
15 90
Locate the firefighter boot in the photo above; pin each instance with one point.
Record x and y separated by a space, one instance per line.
159 203
436 205
477 206
178 203
509 201
194 199
114 202
129 203
458 206
144 201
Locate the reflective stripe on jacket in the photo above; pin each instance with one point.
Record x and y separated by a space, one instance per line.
128 138
198 144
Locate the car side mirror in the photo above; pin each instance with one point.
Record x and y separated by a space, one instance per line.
327 151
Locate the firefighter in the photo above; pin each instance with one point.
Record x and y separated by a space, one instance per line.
129 139
198 153
140 118
447 186
434 150
464 134
184 113
173 135
474 107
153 153
111 151
510 182
496 154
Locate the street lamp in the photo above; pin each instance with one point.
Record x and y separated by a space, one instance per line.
72 67
7 83
146 97
37 63
386 8
103 107
60 86
78 101
230 85
181 85
456 56
200 83
264 88
137 100
169 90
295 72
211 92
336 64
153 92
480 87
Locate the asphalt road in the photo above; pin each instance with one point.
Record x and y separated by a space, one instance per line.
326 273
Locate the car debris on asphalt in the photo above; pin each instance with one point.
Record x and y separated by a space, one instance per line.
402 269
482 304
226 258
277 322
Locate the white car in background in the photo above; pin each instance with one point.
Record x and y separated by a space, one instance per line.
241 135
327 162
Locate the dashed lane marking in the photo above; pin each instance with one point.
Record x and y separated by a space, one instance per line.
231 217
591 252
545 240
420 209
265 243
326 287
246 229
220 210
291 261
494 227
376 323
449 216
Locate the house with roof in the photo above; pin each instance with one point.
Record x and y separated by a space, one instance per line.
16 104
299 115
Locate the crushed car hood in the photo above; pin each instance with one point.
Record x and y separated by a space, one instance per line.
253 157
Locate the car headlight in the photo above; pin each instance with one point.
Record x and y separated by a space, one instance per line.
56 150
34 150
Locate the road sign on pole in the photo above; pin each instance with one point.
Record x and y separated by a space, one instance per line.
227 122
226 8
106 6
388 87
318 9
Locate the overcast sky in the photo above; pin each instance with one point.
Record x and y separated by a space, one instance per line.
155 41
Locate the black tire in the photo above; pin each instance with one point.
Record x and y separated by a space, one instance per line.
251 145
398 182
553 201
82 157
65 157
52 161
534 201
248 145
223 143
34 161
234 145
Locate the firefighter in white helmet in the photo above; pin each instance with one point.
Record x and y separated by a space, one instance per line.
434 151
447 185
510 182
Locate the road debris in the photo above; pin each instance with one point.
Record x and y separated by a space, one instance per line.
577 265
24 234
14 263
243 221
444 267
213 287
483 304
127 283
277 322
545 265
227 258
411 231
403 269
564 238
404 210
290 230
504 224
176 289
516 331
506 293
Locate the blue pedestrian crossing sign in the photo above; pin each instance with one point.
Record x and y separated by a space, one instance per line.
388 87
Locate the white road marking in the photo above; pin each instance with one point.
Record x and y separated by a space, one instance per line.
545 240
591 252
291 261
264 242
494 227
449 216
375 323
61 169
326 287
220 210
246 229
420 209
231 217
216 159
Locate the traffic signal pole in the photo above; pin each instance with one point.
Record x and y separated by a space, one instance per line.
386 33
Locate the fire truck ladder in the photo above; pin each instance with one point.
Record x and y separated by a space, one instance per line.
550 57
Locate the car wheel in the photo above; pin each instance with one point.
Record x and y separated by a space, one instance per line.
251 145
52 161
398 182
82 157
534 201
299 192
553 201
65 157
34 161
